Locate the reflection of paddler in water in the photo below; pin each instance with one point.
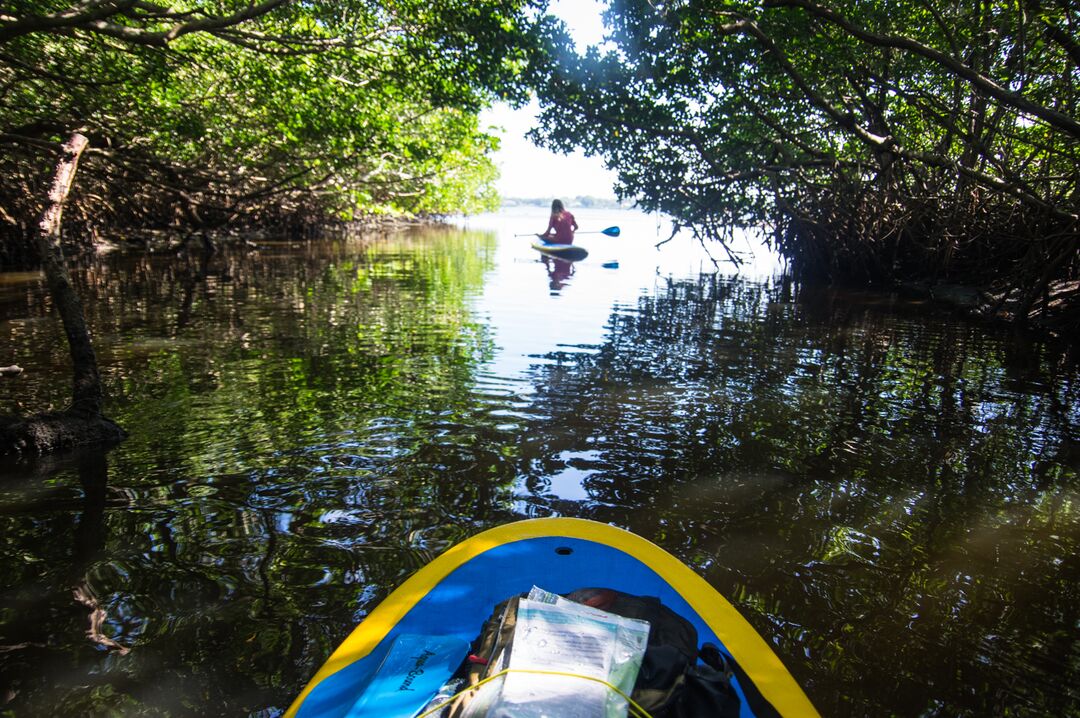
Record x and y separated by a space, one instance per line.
559 270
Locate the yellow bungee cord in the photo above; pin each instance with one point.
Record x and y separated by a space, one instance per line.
635 709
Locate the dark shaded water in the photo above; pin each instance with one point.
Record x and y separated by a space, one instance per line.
890 496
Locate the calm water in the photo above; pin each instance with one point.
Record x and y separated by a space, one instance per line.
889 496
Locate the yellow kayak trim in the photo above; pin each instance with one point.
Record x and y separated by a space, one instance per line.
754 655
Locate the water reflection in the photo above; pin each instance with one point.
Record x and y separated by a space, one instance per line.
559 272
889 496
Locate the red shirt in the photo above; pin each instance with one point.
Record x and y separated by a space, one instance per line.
564 225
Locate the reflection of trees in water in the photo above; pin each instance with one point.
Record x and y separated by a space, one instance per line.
90 537
312 431
893 496
323 333
226 590
53 592
303 426
291 297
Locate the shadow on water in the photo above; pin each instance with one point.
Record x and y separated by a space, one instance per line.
889 496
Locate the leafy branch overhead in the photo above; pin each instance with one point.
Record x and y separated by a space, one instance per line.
208 113
131 21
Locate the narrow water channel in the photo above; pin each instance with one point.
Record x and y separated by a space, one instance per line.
888 493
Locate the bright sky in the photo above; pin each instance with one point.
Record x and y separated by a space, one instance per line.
528 171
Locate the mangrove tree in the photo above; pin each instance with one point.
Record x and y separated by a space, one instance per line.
890 143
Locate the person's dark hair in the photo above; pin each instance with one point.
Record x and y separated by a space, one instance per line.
557 207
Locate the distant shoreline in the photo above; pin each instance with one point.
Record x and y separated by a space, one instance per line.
579 202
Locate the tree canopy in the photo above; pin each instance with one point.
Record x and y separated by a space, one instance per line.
874 141
207 112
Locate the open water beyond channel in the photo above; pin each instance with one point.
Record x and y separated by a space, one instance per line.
888 494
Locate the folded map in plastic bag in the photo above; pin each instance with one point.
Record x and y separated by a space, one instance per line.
566 658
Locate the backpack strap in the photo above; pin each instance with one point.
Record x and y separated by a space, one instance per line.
488 652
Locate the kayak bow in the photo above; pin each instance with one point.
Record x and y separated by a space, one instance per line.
441 609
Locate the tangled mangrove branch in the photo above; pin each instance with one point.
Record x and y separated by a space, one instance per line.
82 422
237 114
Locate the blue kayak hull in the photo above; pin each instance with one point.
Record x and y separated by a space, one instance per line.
450 598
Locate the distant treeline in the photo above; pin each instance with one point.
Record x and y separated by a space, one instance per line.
572 203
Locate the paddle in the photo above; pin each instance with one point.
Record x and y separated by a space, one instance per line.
610 231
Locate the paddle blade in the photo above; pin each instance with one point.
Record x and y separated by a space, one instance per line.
610 231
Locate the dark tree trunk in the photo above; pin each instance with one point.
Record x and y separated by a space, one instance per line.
82 423
86 398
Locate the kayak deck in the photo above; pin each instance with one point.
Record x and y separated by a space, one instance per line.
452 596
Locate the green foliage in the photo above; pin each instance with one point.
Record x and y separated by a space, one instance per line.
346 108
874 141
